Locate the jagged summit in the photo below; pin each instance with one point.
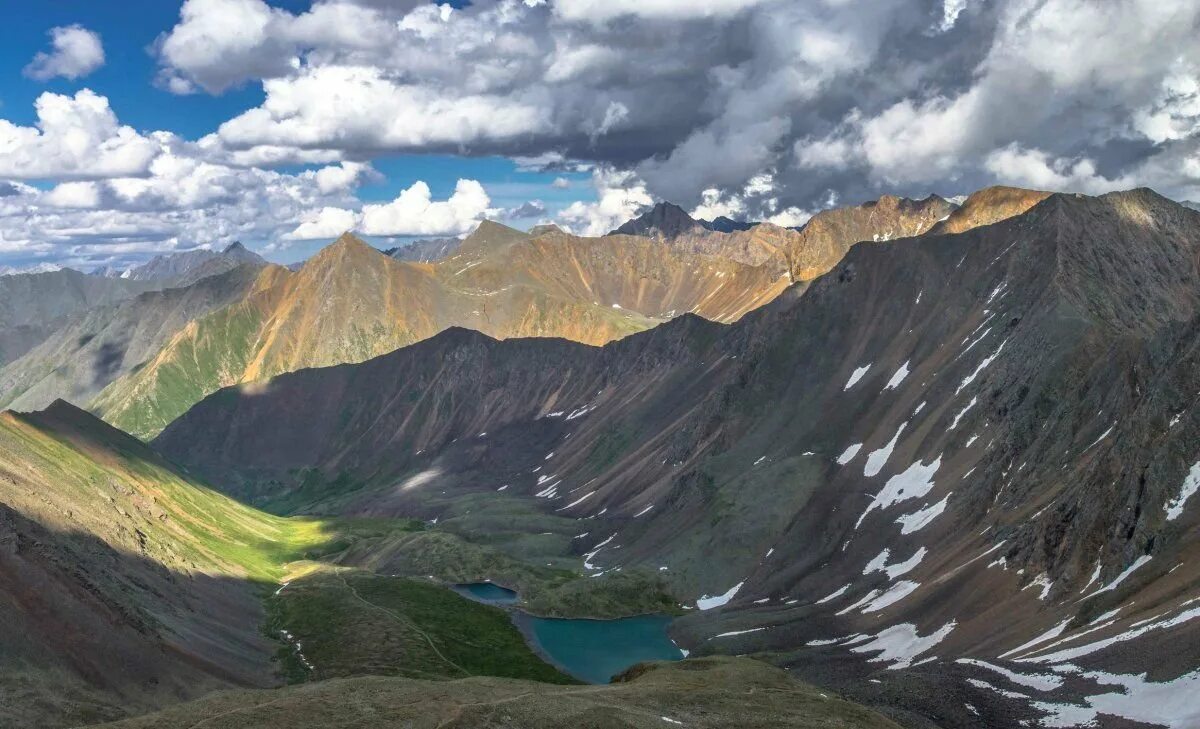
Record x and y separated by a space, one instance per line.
664 220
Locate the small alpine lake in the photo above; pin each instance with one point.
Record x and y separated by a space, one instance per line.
590 650
596 650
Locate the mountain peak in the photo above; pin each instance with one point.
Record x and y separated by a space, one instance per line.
234 247
347 248
664 220
491 235
545 229
990 205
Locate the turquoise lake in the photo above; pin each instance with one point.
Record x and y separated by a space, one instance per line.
590 650
596 650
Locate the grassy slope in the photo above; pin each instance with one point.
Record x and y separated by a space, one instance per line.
714 692
352 623
187 567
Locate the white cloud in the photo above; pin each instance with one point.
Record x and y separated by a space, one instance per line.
358 108
76 52
598 11
414 212
1036 169
619 197
325 223
73 195
74 137
147 193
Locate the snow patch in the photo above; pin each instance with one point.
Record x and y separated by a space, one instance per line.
963 412
900 644
878 459
920 519
849 454
708 603
880 564
834 595
891 596
897 378
856 376
913 483
1191 484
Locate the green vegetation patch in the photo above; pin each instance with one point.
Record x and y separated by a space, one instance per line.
352 623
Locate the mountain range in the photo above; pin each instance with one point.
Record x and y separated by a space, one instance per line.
933 459
141 365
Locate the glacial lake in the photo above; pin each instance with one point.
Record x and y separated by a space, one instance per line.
596 650
590 650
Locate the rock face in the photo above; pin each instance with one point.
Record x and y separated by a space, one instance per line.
973 448
120 589
350 303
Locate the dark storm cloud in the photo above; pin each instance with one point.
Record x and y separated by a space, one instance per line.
698 99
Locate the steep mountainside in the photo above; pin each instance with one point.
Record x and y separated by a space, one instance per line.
350 303
98 346
34 304
123 584
961 466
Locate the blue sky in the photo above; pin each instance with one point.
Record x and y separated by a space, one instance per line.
127 78
150 126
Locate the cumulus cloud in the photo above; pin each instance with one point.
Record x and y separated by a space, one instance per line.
415 212
759 109
74 137
619 197
123 195
864 98
323 224
1035 169
76 52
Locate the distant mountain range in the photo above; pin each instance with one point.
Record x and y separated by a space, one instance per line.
803 253
183 268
